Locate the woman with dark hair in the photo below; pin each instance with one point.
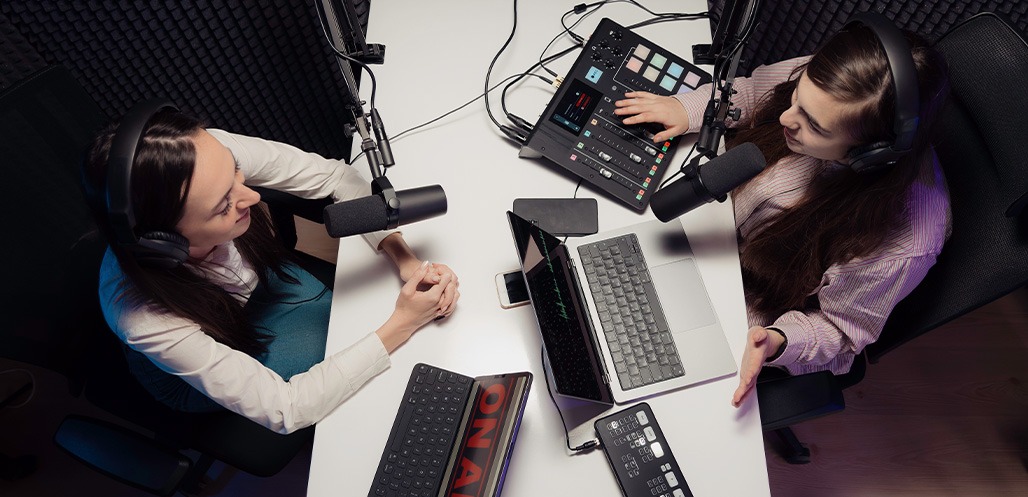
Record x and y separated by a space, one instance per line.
826 252
239 325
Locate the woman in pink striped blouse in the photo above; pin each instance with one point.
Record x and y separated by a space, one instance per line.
826 252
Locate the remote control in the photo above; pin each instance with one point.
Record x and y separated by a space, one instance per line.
639 454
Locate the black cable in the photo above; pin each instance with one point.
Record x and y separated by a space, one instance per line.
583 10
469 102
465 104
567 437
510 132
573 196
681 168
518 121
578 39
669 18
553 57
514 118
660 14
324 31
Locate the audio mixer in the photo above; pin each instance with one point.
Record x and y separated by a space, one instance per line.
579 131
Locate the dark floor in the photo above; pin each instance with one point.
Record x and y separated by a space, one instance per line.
946 414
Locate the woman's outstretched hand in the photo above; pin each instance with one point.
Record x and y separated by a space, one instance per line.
760 344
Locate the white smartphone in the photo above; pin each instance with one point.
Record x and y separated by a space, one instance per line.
510 287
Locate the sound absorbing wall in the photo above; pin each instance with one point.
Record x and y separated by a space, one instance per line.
260 68
789 29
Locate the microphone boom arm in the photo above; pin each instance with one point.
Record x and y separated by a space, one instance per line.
718 110
364 124
420 203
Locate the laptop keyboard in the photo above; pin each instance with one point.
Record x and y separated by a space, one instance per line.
633 323
414 460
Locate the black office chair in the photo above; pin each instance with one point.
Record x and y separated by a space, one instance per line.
981 144
52 313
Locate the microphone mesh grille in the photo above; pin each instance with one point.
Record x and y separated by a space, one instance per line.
732 168
362 215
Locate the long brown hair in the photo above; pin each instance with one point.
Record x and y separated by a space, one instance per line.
161 178
843 215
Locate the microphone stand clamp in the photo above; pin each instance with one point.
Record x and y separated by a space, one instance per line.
382 187
692 172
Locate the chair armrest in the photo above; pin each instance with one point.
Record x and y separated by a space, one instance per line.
248 446
789 400
123 454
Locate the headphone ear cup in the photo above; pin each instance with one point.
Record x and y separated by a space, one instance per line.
866 158
161 249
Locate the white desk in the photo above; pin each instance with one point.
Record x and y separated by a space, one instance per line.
437 55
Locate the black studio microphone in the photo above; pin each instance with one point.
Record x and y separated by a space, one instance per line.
384 209
710 181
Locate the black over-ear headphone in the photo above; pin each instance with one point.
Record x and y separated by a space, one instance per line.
160 249
878 155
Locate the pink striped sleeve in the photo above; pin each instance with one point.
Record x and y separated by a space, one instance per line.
854 304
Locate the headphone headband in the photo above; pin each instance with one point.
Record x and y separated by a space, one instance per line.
904 77
157 248
119 167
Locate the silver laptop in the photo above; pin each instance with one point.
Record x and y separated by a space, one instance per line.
623 314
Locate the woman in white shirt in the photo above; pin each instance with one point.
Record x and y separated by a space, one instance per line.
238 324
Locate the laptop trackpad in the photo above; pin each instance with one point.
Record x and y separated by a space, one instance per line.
682 295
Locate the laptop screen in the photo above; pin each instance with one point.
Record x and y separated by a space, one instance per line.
568 339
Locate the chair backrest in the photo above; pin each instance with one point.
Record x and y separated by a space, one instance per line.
52 251
982 146
52 255
110 384
46 123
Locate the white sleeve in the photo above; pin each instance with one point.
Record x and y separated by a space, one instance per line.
285 168
243 385
232 378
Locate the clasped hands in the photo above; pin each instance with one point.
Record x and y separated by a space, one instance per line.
429 292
